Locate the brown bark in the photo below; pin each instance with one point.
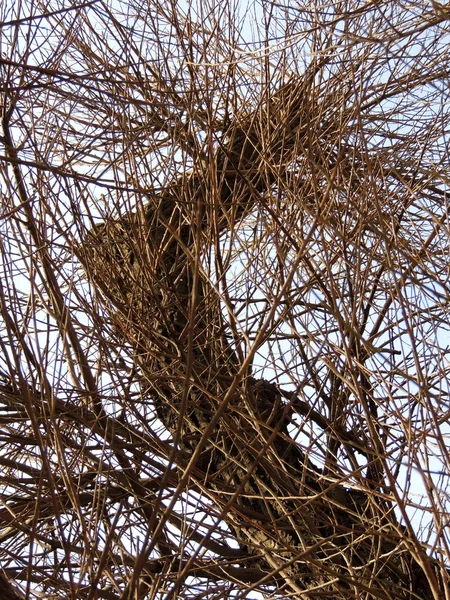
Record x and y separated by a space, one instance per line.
7 591
291 520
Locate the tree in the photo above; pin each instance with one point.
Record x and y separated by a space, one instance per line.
224 300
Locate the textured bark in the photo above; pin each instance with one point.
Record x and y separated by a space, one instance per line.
304 533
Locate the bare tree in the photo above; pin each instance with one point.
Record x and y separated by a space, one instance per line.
224 300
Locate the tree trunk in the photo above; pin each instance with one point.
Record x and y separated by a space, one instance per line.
306 532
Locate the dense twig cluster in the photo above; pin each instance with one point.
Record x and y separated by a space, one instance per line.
224 301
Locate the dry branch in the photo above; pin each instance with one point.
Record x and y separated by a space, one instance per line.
291 519
224 301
